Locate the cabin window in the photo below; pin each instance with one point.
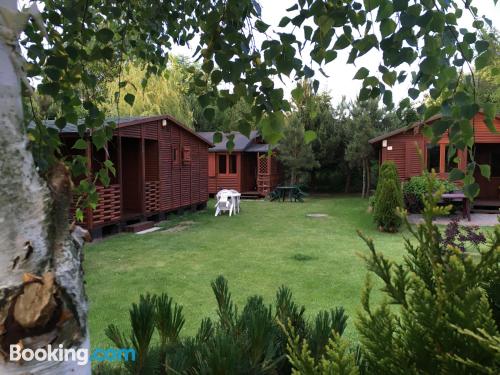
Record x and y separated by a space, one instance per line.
433 157
222 164
450 164
186 154
495 164
233 164
175 155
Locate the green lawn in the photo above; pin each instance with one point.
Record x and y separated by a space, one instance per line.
256 251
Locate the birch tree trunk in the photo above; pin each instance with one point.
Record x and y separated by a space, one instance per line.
42 299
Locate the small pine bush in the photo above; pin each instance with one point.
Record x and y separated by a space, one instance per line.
388 197
250 341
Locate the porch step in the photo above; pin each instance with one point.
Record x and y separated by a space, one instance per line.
484 211
139 227
250 195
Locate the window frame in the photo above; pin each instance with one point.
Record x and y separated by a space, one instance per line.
428 149
175 155
235 158
186 154
219 156
227 163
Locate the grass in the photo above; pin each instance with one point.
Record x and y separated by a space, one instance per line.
267 245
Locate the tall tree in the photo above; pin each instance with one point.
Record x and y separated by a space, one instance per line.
366 120
164 93
295 154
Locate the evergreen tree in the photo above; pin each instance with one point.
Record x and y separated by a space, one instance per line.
294 152
443 323
388 197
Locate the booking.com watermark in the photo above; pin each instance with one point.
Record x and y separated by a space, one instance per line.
81 356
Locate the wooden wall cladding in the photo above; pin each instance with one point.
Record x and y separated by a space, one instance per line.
158 184
152 196
108 208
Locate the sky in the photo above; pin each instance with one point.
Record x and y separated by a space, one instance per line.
340 75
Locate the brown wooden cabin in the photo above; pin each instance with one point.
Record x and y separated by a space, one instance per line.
161 166
400 146
249 168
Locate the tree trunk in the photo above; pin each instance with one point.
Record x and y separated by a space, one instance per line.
42 297
347 186
368 178
363 172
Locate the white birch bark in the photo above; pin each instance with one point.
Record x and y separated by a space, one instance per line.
42 298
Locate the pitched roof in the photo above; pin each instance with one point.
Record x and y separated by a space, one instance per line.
406 128
241 142
122 122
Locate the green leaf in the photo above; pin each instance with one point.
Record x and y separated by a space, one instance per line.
284 21
389 78
207 66
80 144
400 5
244 127
50 88
413 93
471 190
371 4
59 61
387 27
456 175
330 55
297 93
342 42
362 73
309 136
485 170
129 98
387 98
307 32
483 59
261 26
209 113
61 122
104 35
482 45
217 137
109 165
489 109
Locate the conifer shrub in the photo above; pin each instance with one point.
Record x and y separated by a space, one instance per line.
388 198
249 341
436 317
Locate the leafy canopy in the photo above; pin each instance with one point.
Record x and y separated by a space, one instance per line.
83 34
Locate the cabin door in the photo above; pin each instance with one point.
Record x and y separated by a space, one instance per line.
132 179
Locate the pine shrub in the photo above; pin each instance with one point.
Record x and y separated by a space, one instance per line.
246 342
388 198
437 318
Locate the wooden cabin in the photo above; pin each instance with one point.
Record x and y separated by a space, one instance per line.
400 146
249 168
161 166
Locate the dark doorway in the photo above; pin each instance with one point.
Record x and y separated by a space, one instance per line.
131 176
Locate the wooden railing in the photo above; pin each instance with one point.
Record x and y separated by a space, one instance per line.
152 196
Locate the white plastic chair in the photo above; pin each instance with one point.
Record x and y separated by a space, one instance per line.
224 203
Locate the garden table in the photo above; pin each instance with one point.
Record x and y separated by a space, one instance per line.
459 197
291 191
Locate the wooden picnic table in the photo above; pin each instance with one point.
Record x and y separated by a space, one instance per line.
459 197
